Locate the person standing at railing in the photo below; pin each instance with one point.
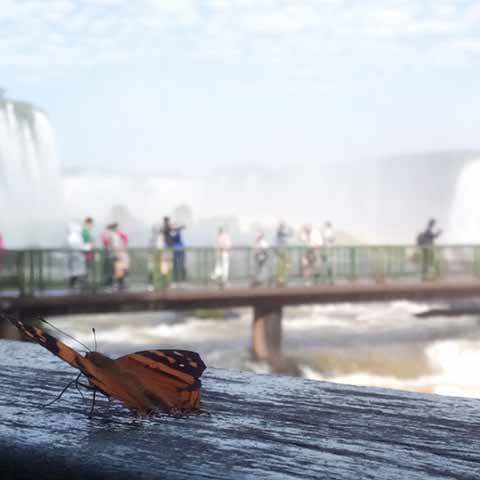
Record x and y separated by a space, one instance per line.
166 254
312 240
115 241
179 269
426 240
328 238
283 261
89 253
76 257
260 258
223 244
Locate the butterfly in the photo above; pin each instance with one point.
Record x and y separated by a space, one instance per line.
166 380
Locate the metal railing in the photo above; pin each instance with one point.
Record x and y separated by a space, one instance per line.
32 272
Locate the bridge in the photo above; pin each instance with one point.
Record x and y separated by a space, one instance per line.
35 282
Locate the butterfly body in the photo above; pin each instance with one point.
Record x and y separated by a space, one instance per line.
146 381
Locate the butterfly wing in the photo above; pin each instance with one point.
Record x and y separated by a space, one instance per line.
51 343
170 379
100 370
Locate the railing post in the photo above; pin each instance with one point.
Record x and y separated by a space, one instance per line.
476 261
31 273
379 264
353 263
20 267
97 270
156 259
437 267
25 273
41 280
438 262
206 263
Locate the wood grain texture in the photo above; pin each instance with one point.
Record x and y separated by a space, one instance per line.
258 426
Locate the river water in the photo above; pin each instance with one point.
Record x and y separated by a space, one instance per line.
379 344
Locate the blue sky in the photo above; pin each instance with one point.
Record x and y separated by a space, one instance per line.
184 86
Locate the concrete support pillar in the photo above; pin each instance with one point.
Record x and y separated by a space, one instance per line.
267 332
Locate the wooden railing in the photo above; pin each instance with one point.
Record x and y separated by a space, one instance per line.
32 272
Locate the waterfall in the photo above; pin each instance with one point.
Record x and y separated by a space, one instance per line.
464 222
31 203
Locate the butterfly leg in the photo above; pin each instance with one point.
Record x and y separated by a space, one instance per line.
77 386
59 396
93 402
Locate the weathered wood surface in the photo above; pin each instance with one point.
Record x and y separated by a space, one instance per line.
191 298
257 427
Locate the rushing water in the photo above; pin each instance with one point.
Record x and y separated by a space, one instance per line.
464 222
30 183
380 344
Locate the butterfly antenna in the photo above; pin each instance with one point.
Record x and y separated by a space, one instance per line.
94 338
63 333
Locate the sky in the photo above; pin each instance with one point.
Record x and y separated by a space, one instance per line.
182 87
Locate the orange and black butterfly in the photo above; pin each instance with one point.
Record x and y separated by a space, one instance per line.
167 380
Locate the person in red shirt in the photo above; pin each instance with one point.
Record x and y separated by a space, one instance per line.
115 242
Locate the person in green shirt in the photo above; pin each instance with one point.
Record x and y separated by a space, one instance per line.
89 252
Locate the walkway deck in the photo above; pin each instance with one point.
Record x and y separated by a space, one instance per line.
191 298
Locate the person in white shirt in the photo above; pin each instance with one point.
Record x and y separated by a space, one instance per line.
223 244
312 240
77 271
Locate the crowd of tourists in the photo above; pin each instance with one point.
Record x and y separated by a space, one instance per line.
166 238
271 263
81 256
167 262
316 257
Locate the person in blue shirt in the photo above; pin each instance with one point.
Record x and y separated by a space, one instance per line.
179 269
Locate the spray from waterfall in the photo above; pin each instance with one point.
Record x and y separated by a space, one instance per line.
31 203
464 222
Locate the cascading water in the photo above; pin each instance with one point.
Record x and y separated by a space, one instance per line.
464 222
31 203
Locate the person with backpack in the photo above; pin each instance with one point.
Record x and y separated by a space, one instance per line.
426 240
260 259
